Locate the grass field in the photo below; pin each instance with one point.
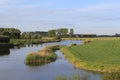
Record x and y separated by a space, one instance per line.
101 55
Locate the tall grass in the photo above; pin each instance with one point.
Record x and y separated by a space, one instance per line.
72 77
35 59
44 56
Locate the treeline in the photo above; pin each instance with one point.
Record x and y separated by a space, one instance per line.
33 35
84 35
62 33
4 39
13 33
59 33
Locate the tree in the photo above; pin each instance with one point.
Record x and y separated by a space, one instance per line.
62 32
71 32
11 32
52 33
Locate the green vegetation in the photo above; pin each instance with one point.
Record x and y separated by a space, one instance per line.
52 33
71 32
58 33
73 77
13 33
18 42
62 33
99 55
33 35
73 44
4 39
92 39
105 76
44 56
111 76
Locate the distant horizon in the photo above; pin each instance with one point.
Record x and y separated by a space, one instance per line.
85 17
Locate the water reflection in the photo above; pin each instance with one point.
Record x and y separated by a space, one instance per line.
4 52
37 63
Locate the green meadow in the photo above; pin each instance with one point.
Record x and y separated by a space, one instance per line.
99 55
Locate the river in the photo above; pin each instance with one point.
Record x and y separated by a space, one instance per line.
12 65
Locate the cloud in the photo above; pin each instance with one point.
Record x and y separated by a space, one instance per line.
5 2
41 15
97 7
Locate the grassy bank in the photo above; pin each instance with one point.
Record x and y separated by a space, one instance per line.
74 77
41 57
111 76
93 39
99 55
18 42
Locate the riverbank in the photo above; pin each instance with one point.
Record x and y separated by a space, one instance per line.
93 39
99 55
19 42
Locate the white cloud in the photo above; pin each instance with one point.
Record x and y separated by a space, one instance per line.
98 7
41 15
4 2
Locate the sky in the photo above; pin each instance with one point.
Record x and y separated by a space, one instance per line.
84 16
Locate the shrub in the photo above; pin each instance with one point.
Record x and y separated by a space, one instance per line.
73 44
4 39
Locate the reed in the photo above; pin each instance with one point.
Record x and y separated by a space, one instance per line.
44 56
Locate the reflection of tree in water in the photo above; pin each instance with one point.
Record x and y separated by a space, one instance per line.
112 76
4 52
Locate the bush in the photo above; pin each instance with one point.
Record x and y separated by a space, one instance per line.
87 41
73 44
4 39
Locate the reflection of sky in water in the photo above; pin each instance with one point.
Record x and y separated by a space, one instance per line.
67 42
12 66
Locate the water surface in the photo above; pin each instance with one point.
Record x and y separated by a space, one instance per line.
12 66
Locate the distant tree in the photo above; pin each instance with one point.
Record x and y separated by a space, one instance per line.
62 32
71 32
23 35
39 37
33 35
27 36
11 32
52 33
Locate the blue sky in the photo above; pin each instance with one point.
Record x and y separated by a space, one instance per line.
85 16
